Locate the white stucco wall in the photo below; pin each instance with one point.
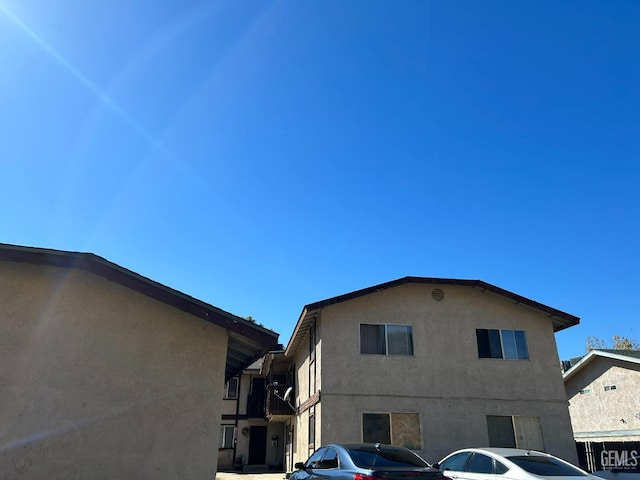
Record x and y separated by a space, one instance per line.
98 381
605 415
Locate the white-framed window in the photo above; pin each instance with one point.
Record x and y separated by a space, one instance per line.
227 436
515 432
231 388
401 429
585 391
502 343
608 388
386 339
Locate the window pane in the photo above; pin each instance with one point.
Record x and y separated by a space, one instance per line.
500 468
232 388
488 343
405 429
494 342
482 337
455 463
480 464
312 427
226 436
399 339
508 344
521 344
372 339
546 466
314 459
376 428
385 456
330 460
500 429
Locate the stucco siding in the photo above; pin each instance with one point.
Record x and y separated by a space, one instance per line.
98 381
444 381
445 349
605 415
446 424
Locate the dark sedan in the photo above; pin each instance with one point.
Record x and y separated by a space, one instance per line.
364 461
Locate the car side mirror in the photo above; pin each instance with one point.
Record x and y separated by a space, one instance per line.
299 466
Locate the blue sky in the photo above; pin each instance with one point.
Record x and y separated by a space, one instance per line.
264 155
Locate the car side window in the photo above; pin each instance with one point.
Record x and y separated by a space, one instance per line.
480 464
330 460
314 460
455 463
500 468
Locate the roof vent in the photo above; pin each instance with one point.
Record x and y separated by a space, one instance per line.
437 294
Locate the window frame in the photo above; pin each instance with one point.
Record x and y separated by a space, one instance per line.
229 394
382 343
502 344
224 436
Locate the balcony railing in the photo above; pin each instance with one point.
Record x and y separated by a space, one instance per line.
277 405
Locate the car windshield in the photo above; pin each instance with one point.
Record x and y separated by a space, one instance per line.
546 466
385 457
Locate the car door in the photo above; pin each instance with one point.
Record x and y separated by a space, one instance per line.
479 466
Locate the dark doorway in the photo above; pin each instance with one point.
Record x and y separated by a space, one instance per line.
258 446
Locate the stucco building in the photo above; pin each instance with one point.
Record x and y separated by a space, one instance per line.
431 364
107 374
603 389
249 440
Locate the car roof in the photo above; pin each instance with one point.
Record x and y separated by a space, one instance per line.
364 445
501 451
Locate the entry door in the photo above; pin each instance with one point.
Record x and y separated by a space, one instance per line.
258 446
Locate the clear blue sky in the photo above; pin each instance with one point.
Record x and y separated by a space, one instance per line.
263 155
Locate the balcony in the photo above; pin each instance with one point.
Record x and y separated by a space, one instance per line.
279 409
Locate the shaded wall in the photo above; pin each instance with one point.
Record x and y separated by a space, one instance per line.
98 381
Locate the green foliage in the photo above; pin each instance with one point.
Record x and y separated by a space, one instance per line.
253 320
618 343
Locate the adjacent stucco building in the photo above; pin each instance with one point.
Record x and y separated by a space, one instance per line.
431 364
603 389
249 441
107 374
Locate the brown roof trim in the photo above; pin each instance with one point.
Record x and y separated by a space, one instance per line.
253 340
560 319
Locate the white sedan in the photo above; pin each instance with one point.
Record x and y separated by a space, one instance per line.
508 464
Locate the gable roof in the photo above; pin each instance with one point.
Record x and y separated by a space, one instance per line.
247 341
560 320
631 356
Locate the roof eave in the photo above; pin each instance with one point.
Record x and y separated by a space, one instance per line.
250 341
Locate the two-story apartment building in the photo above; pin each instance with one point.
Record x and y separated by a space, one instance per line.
252 432
431 364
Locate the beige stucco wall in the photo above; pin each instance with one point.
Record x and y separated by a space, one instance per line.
98 381
599 414
445 382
